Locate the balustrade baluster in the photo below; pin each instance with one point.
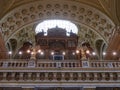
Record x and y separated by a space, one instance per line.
38 76
29 75
13 76
21 76
4 75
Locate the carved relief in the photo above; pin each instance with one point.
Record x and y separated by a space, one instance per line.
57 6
115 76
47 9
58 76
99 76
24 11
75 76
50 76
67 76
42 76
83 76
91 76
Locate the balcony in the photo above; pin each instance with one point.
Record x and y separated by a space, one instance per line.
59 73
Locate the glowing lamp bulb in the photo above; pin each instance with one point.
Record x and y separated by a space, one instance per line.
73 53
28 51
104 53
39 51
77 51
42 53
63 53
20 52
52 53
94 53
10 52
114 53
87 51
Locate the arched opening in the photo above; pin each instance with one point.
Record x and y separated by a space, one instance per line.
64 24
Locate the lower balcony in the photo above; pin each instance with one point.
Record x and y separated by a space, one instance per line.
66 73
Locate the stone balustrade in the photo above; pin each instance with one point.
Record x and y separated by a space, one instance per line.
60 76
77 78
60 64
49 72
105 64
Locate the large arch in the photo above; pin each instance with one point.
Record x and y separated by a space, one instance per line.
41 10
27 16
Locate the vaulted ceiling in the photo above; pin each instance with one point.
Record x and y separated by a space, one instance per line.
95 19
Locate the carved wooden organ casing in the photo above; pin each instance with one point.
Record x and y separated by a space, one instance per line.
57 41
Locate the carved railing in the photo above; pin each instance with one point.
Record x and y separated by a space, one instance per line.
66 72
105 64
59 64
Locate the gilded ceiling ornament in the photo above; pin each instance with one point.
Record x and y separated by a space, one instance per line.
82 10
89 13
25 19
32 16
96 16
74 8
48 6
101 29
87 20
32 9
65 14
40 15
10 19
94 24
17 15
73 15
40 7
4 25
109 26
18 23
65 6
57 6
48 13
103 21
80 17
11 27
57 13
24 11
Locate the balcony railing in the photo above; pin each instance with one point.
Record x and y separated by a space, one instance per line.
59 73
59 64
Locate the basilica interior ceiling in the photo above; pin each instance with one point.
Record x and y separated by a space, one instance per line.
95 19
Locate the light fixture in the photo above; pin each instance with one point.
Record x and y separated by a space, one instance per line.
52 53
39 51
87 51
28 51
63 53
77 51
32 53
104 53
114 53
20 52
42 53
93 53
10 52
73 53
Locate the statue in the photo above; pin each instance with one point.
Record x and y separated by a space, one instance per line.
34 52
